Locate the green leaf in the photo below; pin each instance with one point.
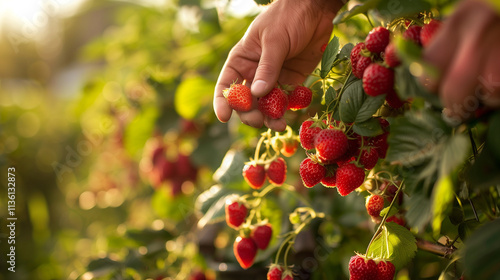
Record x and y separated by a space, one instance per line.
351 101
209 197
211 146
395 243
394 211
369 128
103 264
387 9
466 229
456 215
416 138
139 130
390 9
230 168
329 56
192 95
455 152
356 10
442 198
345 52
408 87
216 212
481 257
263 2
369 107
330 95
147 236
418 214
167 206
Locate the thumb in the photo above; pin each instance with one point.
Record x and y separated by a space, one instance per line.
269 68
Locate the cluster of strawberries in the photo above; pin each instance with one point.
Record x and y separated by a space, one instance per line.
256 173
382 196
374 60
167 167
278 272
252 237
361 268
274 104
337 159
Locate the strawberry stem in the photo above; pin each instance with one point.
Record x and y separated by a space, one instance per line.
285 241
379 229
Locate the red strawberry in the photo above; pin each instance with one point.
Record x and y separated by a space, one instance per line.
329 180
353 150
289 147
374 204
176 186
378 80
236 212
390 56
157 154
164 170
384 124
380 143
386 270
254 174
393 99
391 191
398 220
261 235
197 275
274 104
276 171
362 269
323 48
355 54
363 63
287 275
369 158
331 144
245 250
185 168
299 98
307 133
349 178
275 272
428 31
239 97
413 34
311 172
377 39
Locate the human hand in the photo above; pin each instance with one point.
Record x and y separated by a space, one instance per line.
465 51
283 44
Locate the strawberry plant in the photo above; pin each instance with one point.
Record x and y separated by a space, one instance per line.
412 181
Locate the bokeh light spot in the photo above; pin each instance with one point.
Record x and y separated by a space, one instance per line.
28 124
87 200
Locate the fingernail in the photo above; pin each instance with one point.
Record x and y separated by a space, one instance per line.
259 88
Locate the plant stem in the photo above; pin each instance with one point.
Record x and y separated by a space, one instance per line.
382 223
257 149
369 20
290 244
434 248
285 241
341 91
473 143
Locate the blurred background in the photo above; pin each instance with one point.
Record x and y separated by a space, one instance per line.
99 102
